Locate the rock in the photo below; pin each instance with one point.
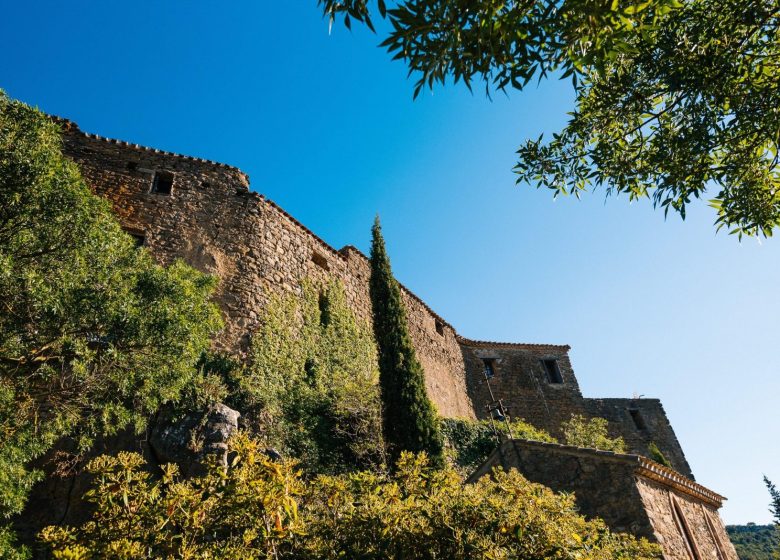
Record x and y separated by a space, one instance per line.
188 440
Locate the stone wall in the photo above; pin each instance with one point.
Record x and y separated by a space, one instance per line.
528 392
630 493
215 223
641 422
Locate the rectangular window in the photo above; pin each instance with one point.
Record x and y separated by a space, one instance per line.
163 183
320 260
636 416
490 367
439 327
552 370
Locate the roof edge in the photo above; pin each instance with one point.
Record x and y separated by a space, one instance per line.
643 467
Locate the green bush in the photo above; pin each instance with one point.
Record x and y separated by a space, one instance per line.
658 456
312 387
94 335
469 442
592 433
240 513
258 509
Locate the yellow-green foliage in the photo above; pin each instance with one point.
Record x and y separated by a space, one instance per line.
258 509
312 387
469 442
239 513
592 433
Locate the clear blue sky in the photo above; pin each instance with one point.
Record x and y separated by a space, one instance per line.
326 126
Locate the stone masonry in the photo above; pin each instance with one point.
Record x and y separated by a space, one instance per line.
630 493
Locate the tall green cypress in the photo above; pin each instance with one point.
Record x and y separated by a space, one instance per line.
409 419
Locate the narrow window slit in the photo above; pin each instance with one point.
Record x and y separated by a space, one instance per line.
490 367
636 416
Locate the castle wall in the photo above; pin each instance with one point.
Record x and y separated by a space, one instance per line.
629 493
584 472
214 222
641 422
528 392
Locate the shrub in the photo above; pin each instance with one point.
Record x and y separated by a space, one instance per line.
469 442
258 509
658 456
94 335
591 433
240 513
312 388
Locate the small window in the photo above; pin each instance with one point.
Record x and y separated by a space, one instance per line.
324 304
137 236
163 183
132 166
320 260
552 370
636 416
490 367
439 327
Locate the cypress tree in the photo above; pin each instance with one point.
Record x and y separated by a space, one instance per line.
409 419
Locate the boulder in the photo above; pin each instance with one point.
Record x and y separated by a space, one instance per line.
189 439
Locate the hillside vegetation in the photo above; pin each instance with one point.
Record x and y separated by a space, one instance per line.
755 542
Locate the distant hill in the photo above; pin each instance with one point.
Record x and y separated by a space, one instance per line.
755 542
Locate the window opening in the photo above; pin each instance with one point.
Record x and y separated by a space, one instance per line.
137 236
439 327
636 416
132 166
320 260
163 183
490 367
552 370
324 305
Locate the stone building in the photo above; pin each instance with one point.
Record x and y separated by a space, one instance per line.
630 493
204 213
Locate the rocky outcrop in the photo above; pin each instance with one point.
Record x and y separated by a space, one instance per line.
189 439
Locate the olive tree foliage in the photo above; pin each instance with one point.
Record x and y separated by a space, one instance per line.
676 100
93 334
312 386
257 509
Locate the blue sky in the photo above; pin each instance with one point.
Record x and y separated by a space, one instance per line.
325 125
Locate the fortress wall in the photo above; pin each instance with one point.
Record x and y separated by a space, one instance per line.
522 383
629 493
640 422
214 222
602 483
525 387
